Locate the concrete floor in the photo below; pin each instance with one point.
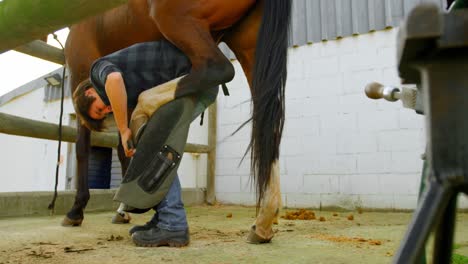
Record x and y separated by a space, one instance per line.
371 237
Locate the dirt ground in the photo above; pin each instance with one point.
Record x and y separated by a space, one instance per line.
217 236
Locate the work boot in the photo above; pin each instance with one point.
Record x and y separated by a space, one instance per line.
145 227
156 237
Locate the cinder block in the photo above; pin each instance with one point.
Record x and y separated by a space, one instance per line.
301 127
335 164
247 184
298 89
406 162
378 39
408 119
232 167
296 69
226 184
226 133
345 184
229 116
378 120
295 108
377 162
361 184
401 140
309 51
301 200
321 66
357 103
322 184
387 57
339 47
291 146
390 76
317 105
296 166
230 149
326 84
338 122
354 82
405 201
400 184
356 142
363 60
35 203
236 198
325 144
345 201
292 182
380 201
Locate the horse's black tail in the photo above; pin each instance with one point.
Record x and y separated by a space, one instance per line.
268 84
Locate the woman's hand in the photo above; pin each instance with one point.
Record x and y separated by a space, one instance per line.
127 143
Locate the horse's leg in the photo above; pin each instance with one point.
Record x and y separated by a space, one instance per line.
122 217
242 40
192 35
80 54
151 100
75 216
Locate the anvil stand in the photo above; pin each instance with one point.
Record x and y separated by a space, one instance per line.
433 54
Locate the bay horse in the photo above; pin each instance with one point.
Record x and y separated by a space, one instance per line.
256 31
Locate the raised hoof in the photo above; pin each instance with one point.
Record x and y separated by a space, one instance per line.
71 222
253 238
137 126
123 218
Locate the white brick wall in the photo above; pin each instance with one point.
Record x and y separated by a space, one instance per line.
339 148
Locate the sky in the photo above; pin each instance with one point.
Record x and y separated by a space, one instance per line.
17 68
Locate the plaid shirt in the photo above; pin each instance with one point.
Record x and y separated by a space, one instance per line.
144 66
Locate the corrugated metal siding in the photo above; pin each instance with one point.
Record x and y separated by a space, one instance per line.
52 93
319 20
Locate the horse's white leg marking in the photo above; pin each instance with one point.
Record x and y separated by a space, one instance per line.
270 205
121 208
151 100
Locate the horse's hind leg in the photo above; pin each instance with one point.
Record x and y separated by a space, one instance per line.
262 231
242 40
192 35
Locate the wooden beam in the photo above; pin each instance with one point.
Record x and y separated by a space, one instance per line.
26 20
19 126
42 50
211 160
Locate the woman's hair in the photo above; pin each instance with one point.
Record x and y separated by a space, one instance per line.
82 104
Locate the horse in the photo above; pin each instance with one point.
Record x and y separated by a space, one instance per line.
257 31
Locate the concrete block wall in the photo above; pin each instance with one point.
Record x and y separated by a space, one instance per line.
339 148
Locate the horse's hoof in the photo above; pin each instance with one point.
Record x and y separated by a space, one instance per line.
253 238
137 126
123 218
71 222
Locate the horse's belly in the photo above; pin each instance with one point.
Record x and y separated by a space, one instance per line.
219 14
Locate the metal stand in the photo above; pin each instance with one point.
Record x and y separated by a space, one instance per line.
433 53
